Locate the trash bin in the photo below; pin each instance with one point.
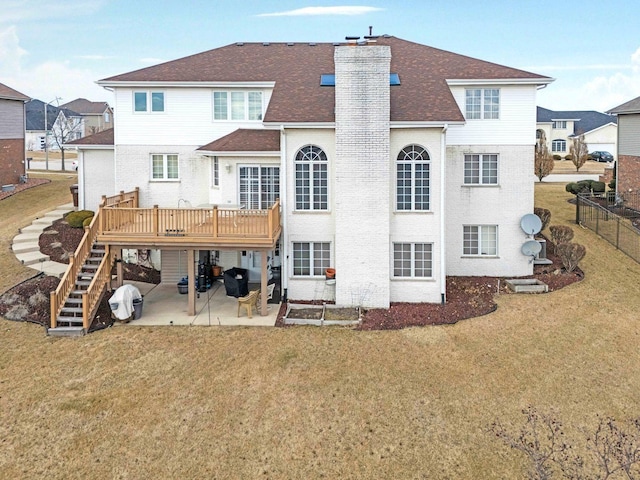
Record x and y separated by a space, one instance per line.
74 194
137 308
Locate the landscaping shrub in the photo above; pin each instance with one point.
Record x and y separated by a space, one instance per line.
76 219
570 254
557 157
568 157
585 186
87 221
544 215
561 234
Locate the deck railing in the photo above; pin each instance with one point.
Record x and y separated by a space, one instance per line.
211 222
76 261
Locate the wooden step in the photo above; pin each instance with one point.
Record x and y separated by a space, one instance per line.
90 266
82 283
73 301
66 332
76 320
86 274
66 310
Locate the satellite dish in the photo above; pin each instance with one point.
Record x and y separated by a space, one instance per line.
531 248
531 224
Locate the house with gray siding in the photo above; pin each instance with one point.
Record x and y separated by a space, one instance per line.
12 134
628 169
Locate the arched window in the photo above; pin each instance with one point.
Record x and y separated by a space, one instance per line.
412 178
311 168
559 145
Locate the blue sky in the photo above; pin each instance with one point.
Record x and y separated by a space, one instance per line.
59 48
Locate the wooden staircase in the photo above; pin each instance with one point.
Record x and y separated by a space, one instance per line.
70 319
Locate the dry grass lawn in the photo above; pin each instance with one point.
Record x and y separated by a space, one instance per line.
308 402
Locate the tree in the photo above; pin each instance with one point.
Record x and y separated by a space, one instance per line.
66 128
544 162
579 151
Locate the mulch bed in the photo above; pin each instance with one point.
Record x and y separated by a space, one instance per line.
31 182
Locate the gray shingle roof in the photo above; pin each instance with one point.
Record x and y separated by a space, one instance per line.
586 120
422 96
35 114
632 106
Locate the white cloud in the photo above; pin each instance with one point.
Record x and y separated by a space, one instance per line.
27 10
10 51
45 80
578 90
315 11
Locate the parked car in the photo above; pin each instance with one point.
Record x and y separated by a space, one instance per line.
601 156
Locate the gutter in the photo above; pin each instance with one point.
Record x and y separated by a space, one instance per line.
284 247
443 270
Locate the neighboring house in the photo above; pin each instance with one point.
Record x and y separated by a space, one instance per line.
62 123
12 132
628 164
395 163
599 129
97 116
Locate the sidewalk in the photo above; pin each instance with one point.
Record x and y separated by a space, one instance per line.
26 248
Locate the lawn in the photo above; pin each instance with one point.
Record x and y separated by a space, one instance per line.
308 402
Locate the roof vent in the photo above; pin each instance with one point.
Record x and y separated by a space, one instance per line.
290 44
312 44
239 44
265 44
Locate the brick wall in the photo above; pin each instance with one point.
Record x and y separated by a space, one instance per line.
362 175
628 173
11 157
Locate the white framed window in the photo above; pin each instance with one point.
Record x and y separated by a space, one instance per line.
107 117
148 101
481 169
311 167
560 125
482 103
413 179
258 186
559 145
237 105
480 240
311 259
413 260
215 172
164 166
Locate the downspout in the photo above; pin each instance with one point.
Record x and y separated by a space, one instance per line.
284 248
443 269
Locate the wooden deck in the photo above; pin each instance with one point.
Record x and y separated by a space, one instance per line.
213 228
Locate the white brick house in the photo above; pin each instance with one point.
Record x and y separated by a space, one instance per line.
395 163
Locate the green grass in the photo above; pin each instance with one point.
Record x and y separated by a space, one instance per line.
308 402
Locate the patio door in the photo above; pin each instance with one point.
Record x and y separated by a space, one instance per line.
258 188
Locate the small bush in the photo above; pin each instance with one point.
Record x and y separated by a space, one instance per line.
570 254
544 215
576 188
87 221
585 186
557 157
76 219
561 234
612 184
568 157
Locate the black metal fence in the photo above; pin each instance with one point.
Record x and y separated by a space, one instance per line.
612 217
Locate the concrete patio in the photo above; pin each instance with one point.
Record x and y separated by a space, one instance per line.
164 305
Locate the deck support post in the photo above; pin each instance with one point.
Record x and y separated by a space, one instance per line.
191 259
263 283
119 269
